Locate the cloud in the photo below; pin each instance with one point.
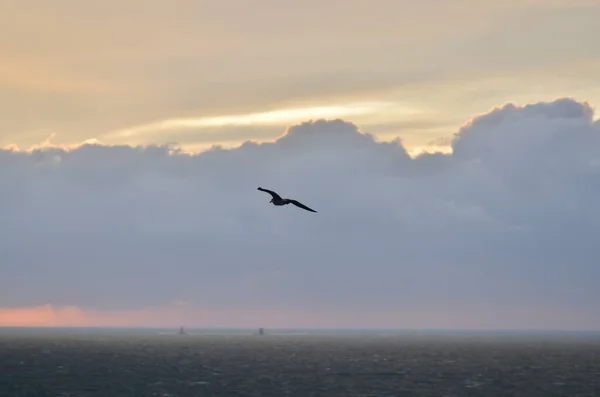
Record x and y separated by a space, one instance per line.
264 118
504 224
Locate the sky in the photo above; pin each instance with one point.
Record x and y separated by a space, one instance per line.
450 148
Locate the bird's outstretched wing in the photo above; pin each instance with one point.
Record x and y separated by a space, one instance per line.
272 193
299 204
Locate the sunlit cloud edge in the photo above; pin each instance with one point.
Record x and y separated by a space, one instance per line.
269 118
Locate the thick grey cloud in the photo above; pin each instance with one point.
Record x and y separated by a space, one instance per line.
508 220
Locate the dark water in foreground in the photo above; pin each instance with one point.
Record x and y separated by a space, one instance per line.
112 364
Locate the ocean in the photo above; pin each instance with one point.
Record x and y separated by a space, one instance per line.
296 363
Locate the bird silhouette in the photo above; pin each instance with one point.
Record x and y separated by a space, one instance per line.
277 200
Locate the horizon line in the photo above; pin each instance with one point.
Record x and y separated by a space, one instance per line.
244 328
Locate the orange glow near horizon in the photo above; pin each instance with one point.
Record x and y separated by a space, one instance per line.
173 316
168 316
50 316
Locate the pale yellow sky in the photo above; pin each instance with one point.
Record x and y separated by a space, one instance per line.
199 72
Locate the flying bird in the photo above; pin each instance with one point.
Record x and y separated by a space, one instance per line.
277 200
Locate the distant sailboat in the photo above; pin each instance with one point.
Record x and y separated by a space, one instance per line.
181 331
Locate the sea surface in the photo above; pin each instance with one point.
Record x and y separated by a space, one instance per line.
113 363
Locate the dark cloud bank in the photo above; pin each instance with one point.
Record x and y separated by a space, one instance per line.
509 220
